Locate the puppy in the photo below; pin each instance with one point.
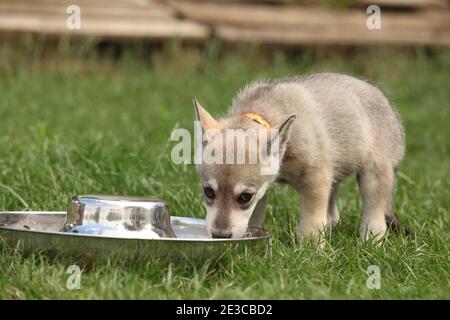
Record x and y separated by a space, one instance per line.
321 129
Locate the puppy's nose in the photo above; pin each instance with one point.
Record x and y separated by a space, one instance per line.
222 235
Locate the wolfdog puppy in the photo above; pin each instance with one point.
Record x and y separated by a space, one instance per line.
327 127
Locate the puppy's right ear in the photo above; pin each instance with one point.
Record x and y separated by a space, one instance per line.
206 120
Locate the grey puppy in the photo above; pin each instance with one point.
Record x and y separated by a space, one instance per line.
328 126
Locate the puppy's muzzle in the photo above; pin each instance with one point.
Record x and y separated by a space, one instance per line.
221 235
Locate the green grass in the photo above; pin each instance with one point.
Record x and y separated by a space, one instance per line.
75 126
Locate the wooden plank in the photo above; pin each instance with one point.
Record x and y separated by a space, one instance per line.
263 16
106 27
83 3
382 3
299 25
153 11
329 36
419 4
248 1
102 18
394 31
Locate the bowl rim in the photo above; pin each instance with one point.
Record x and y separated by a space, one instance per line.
66 234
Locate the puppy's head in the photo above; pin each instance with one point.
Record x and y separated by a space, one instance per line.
236 168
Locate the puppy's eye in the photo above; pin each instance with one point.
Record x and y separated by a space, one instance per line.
245 197
209 193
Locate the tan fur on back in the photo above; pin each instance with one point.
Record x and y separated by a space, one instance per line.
341 120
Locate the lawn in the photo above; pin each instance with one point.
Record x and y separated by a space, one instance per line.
71 124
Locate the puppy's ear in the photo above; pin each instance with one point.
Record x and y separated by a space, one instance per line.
206 120
284 133
273 151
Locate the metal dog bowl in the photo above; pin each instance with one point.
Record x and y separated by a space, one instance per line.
119 216
123 227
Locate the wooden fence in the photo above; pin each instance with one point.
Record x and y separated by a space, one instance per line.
275 22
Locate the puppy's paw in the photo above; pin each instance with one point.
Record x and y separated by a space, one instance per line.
373 229
315 235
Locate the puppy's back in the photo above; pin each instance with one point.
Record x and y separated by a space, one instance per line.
348 117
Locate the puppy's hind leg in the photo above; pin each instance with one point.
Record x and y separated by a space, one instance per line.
376 186
391 220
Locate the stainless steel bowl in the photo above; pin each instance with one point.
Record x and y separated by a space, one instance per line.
39 231
129 228
119 216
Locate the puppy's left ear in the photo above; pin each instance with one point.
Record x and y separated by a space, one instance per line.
273 151
280 137
284 133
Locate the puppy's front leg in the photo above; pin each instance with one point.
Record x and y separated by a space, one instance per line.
314 189
259 214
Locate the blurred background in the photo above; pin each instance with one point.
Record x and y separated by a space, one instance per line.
271 22
91 90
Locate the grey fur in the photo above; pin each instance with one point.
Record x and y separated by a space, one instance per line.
343 126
